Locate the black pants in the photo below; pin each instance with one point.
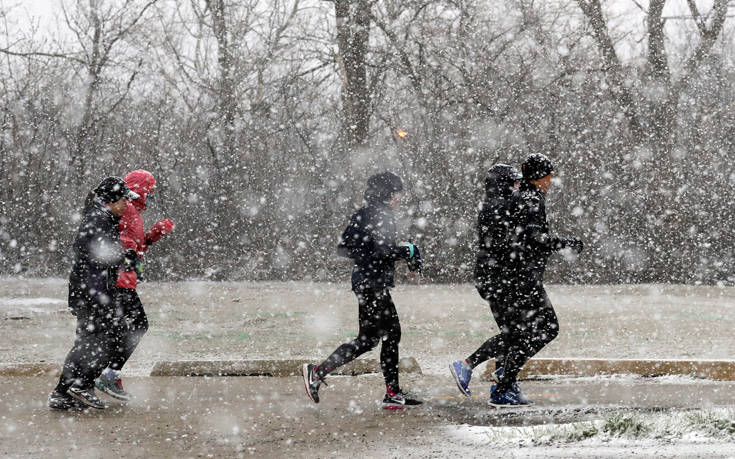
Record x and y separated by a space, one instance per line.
499 296
130 326
533 324
91 350
378 321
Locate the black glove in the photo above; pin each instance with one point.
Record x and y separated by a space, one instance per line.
130 258
576 244
415 263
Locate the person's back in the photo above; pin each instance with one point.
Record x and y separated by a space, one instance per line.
369 240
97 254
494 223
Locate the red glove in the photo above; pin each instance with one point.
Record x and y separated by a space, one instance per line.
158 230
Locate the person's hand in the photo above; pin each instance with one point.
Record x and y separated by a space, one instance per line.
415 262
130 258
576 244
158 230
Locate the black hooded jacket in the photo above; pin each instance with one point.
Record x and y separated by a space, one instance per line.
98 254
370 240
532 245
494 223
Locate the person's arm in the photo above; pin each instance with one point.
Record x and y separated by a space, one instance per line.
535 236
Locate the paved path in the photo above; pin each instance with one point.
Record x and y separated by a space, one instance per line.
271 417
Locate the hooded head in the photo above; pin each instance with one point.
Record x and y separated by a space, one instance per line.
380 187
142 182
113 189
500 180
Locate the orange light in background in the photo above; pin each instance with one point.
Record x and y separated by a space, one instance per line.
401 133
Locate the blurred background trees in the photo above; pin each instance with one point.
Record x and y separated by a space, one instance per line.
263 119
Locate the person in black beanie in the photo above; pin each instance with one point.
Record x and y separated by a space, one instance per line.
369 240
493 274
534 324
98 254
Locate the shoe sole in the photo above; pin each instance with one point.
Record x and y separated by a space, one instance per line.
112 394
459 385
305 374
506 405
86 403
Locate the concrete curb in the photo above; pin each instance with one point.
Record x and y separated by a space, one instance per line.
281 368
717 370
30 369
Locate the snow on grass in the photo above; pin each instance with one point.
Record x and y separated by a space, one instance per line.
622 426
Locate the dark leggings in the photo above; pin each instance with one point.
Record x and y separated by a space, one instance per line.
91 350
131 325
535 326
498 296
378 320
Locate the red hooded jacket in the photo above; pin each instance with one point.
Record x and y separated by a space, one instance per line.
132 233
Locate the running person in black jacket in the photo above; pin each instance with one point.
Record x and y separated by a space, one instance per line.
493 270
98 255
536 324
369 240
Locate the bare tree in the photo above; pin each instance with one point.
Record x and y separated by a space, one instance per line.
654 123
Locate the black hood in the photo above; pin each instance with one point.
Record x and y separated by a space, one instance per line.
500 180
380 187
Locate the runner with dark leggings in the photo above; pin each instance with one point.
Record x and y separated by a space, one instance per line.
534 321
369 240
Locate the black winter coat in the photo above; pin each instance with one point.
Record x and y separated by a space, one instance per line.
532 245
370 240
494 223
98 254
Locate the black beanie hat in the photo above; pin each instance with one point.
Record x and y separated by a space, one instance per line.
380 187
113 189
537 166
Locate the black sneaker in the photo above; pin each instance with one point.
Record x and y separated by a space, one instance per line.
311 382
397 400
112 387
87 397
62 402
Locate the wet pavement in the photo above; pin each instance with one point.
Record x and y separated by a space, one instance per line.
272 417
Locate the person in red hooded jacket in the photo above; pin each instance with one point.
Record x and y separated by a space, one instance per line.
132 321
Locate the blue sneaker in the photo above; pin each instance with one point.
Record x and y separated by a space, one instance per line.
514 388
462 375
506 399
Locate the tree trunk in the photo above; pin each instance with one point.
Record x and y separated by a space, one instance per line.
353 30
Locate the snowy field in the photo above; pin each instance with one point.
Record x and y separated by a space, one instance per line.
619 416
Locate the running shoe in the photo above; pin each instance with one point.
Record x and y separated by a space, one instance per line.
87 397
112 387
462 375
398 399
497 375
311 381
61 402
506 399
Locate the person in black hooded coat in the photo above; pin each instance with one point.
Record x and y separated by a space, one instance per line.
493 273
535 324
98 254
369 240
